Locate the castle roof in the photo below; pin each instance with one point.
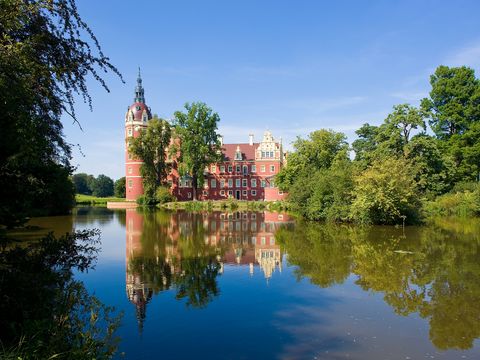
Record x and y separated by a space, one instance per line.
137 109
247 150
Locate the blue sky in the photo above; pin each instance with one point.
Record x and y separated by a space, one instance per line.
288 66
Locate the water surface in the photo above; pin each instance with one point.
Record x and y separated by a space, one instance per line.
259 285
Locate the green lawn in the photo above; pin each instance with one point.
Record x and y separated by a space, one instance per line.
94 200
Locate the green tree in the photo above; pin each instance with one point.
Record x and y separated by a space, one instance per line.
151 146
81 183
454 102
366 144
44 62
385 193
316 152
103 186
119 188
199 144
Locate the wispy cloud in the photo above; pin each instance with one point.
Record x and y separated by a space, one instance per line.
468 55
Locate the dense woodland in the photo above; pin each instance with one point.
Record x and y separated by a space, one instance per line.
418 162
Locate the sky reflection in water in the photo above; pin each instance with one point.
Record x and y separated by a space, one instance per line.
260 285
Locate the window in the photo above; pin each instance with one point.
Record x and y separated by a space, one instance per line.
222 168
214 169
230 168
130 170
272 240
254 216
237 168
272 184
185 182
244 182
262 168
129 156
213 183
271 154
272 168
280 192
263 240
230 192
254 192
222 192
130 183
230 183
205 192
237 183
245 169
263 184
254 168
189 195
222 183
244 192
130 131
253 182
144 118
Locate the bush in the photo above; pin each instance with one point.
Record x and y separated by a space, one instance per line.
162 195
463 204
386 193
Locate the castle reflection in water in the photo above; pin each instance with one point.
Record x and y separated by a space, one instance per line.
187 251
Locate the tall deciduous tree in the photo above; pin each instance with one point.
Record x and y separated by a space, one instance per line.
47 52
103 186
316 152
199 143
119 187
454 102
151 146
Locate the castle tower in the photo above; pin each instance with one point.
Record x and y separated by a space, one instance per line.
136 119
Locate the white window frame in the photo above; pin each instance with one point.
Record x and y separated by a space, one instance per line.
253 183
237 168
263 184
253 192
262 168
244 182
213 169
272 168
254 168
222 192
238 183
230 183
222 168
230 168
213 183
130 183
244 193
222 183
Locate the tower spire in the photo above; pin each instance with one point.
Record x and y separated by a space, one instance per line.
139 92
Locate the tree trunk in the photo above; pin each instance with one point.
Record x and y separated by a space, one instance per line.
194 186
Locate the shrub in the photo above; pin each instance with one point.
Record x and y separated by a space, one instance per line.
162 195
386 193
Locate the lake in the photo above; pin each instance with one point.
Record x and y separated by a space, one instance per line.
260 285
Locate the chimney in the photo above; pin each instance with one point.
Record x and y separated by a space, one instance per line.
250 139
220 137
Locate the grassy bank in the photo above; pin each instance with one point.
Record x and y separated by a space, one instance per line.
461 204
223 205
94 200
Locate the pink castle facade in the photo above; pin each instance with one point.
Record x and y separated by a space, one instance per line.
247 171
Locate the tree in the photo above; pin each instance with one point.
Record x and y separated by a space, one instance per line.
386 193
44 61
151 146
81 182
454 102
366 143
119 188
316 152
103 186
199 144
406 118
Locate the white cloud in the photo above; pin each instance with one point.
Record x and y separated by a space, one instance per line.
468 55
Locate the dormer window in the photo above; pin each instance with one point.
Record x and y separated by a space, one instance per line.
238 154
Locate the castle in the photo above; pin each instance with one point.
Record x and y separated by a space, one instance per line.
247 171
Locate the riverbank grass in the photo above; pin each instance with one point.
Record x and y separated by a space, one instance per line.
221 205
95 201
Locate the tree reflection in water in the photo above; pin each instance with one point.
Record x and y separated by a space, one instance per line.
186 252
433 270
